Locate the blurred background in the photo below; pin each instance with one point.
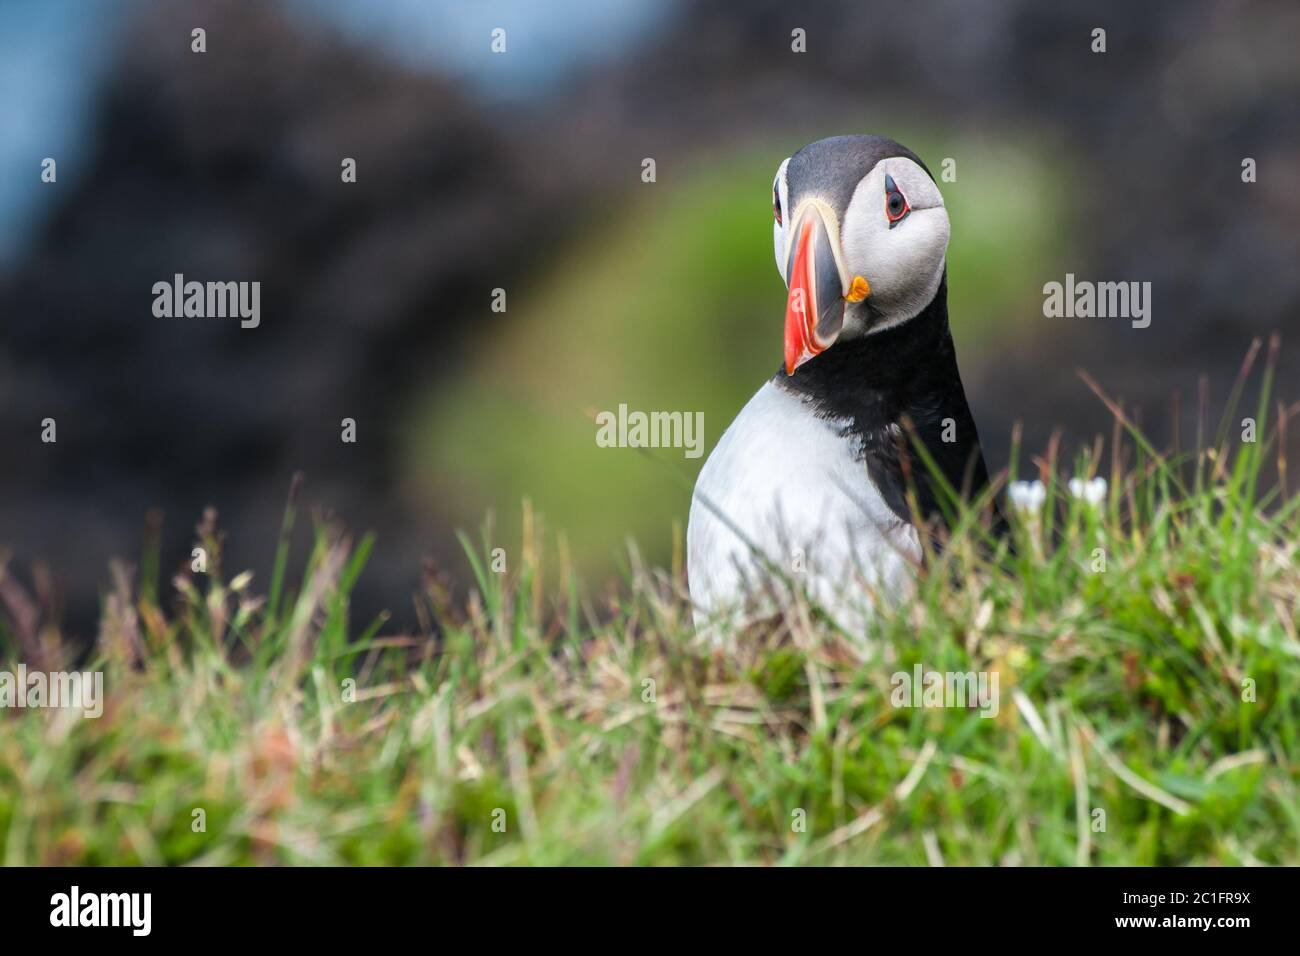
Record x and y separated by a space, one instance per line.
523 170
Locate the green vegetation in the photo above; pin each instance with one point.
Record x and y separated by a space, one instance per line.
1163 691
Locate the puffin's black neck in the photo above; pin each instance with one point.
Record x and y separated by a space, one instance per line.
875 378
875 382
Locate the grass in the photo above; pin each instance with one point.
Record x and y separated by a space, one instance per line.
1150 712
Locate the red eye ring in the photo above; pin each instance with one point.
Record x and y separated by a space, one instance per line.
896 207
896 204
776 203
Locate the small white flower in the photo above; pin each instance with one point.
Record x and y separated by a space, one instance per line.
1027 496
1093 492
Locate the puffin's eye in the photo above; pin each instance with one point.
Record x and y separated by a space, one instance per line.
896 207
776 202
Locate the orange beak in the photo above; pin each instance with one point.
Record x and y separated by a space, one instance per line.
814 309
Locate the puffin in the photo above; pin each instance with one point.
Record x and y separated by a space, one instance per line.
812 484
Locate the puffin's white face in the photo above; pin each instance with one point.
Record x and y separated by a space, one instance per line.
868 267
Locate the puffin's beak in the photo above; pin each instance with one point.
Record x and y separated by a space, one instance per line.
814 310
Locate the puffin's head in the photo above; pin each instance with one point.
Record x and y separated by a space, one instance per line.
860 237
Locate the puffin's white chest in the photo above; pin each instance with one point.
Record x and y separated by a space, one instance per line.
790 486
